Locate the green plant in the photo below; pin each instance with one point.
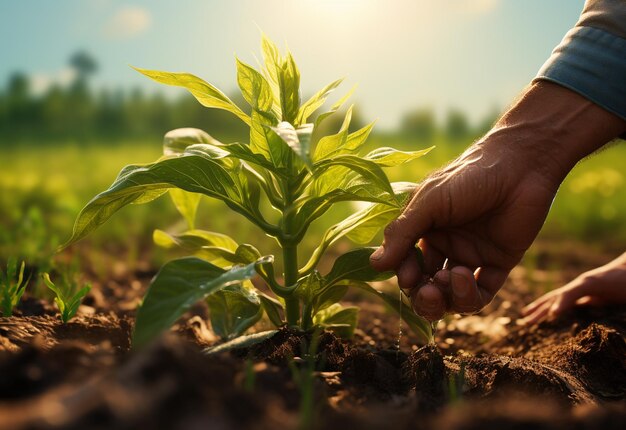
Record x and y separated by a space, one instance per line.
456 384
281 182
68 296
11 290
303 374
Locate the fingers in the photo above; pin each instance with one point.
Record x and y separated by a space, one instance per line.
556 303
454 290
539 312
400 236
466 297
429 302
409 273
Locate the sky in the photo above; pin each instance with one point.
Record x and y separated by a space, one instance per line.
473 55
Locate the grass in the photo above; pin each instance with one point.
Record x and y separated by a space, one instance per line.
42 188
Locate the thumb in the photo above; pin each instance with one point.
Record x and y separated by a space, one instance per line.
402 234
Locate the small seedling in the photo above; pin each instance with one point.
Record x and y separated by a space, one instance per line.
303 374
11 289
456 382
282 180
68 297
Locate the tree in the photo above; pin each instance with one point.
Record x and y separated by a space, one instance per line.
83 64
419 124
19 103
456 125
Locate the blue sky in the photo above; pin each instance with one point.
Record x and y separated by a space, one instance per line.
468 54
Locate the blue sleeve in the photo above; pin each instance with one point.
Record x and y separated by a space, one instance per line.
591 62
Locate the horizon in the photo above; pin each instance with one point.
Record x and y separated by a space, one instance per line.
498 44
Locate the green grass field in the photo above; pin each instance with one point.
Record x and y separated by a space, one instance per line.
42 188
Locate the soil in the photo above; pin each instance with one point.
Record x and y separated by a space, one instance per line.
485 371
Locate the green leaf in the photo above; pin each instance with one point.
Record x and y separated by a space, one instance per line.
418 325
328 296
205 93
192 173
272 309
390 157
313 207
233 310
269 145
352 142
363 225
241 342
67 298
245 153
247 253
354 265
51 286
335 107
255 90
339 319
298 140
316 101
369 221
328 144
216 248
176 141
186 204
368 170
289 84
11 290
309 286
272 60
212 152
178 285
194 240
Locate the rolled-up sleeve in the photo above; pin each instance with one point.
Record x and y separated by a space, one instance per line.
591 59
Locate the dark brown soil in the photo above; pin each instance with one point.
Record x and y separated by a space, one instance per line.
485 372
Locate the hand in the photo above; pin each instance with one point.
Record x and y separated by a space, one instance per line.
481 213
484 210
601 286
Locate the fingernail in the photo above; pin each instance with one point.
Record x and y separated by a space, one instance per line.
460 286
378 254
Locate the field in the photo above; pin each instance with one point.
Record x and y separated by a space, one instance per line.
486 371
43 187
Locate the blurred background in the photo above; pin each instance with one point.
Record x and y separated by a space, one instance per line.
73 113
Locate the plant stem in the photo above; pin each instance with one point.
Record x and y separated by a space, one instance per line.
307 318
292 304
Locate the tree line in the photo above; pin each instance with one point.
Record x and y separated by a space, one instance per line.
75 111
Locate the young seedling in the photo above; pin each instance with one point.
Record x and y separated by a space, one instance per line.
280 181
68 296
303 374
11 289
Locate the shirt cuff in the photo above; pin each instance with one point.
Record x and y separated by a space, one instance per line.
591 62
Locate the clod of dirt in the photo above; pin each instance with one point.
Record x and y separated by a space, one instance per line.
288 343
168 385
426 373
596 355
17 332
492 375
361 367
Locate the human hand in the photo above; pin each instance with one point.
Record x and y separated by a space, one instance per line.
481 213
601 286
484 210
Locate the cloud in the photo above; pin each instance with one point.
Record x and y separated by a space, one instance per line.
128 22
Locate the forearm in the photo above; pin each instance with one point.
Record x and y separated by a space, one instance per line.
552 128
